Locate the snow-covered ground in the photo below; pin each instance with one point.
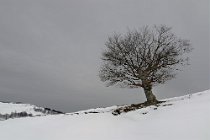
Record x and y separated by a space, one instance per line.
180 118
6 109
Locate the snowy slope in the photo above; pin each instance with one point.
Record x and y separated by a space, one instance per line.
6 109
180 118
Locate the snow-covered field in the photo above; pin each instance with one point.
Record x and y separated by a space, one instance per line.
15 110
7 108
180 118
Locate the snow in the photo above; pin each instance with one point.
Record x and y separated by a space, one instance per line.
180 118
8 108
17 110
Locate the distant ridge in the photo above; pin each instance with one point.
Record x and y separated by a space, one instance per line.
18 110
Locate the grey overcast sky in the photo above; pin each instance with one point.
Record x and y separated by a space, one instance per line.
51 49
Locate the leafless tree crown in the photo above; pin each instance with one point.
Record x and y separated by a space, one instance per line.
148 56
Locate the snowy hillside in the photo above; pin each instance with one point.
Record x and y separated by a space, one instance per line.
180 118
17 110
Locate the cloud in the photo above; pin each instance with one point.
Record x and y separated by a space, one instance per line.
50 50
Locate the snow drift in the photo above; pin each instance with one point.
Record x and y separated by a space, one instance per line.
180 118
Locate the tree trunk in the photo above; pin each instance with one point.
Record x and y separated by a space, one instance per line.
151 99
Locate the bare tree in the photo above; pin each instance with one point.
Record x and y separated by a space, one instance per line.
143 58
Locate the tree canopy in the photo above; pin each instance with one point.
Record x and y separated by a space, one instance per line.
143 58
